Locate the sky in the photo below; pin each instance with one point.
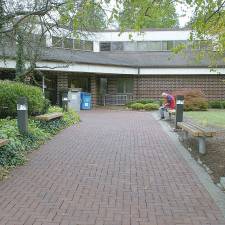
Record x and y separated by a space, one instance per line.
181 10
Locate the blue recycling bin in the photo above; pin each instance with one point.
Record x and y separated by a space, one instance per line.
85 101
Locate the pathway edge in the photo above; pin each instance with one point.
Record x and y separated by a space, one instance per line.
217 195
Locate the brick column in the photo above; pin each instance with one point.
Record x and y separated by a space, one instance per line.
94 90
62 85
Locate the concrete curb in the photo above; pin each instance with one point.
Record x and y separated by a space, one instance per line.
214 191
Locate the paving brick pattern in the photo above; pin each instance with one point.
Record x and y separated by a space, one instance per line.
116 168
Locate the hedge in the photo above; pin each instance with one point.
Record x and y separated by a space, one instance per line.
10 91
151 106
217 104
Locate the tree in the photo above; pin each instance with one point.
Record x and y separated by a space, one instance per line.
21 21
148 14
208 24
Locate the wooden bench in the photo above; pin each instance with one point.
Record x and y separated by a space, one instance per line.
201 133
3 142
171 112
50 116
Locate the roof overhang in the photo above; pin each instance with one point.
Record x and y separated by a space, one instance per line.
110 69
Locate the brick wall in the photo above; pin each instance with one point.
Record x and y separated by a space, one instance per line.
152 86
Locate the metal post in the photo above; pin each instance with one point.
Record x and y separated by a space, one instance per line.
202 145
179 109
43 84
65 101
22 115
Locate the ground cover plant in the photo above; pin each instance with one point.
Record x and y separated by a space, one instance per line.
14 153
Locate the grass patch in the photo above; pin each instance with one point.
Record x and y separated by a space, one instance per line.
214 118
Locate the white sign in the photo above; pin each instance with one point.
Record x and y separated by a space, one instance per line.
21 107
86 104
180 102
65 99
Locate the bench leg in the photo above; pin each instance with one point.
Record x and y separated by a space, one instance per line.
201 145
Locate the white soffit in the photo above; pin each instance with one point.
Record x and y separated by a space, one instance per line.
110 69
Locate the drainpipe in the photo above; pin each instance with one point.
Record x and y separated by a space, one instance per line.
138 77
43 84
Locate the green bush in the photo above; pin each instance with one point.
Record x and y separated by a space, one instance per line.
151 106
10 91
137 106
14 153
217 104
142 101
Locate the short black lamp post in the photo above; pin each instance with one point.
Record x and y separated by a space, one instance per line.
65 101
179 109
22 115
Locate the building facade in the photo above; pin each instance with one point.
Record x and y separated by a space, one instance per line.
117 68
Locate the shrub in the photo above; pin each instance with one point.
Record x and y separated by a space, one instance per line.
217 104
151 106
9 93
194 99
146 101
142 101
137 106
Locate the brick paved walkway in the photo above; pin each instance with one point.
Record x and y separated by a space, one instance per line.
117 168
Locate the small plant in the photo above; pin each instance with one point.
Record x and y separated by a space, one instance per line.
151 106
137 106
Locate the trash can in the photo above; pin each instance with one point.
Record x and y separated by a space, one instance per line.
74 100
85 103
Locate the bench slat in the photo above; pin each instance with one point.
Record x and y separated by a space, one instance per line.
47 117
3 142
208 132
193 130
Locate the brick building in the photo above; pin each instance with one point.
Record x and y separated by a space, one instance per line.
116 68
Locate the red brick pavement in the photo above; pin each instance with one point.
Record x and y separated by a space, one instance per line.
116 168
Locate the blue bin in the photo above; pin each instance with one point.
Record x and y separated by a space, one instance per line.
85 101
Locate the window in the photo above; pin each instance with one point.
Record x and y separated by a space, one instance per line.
88 45
143 45
125 86
180 43
117 46
130 46
68 43
105 46
57 42
154 46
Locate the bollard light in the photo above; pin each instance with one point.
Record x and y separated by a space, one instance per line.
179 109
22 115
65 101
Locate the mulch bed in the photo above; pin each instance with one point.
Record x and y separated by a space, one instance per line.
214 159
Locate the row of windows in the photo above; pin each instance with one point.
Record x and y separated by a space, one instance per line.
147 45
72 43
